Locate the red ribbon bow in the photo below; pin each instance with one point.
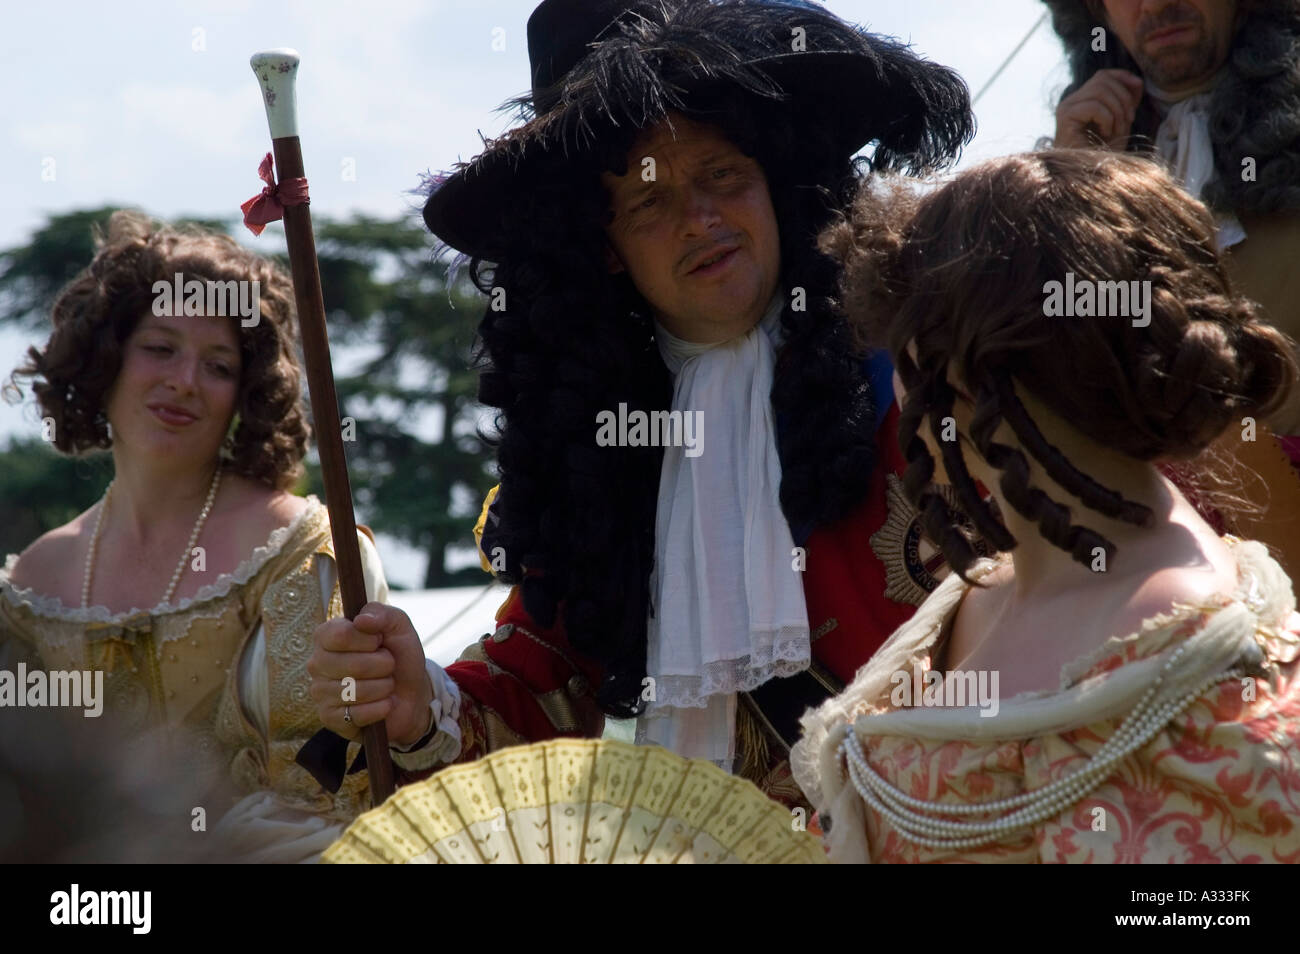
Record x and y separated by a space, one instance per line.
268 205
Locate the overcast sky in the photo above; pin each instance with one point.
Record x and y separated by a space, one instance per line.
153 104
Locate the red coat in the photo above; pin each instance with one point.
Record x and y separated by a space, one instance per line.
864 576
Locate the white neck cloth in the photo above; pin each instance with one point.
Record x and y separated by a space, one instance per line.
1183 139
727 607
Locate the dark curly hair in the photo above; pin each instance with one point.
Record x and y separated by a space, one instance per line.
560 353
1254 111
577 522
97 311
961 273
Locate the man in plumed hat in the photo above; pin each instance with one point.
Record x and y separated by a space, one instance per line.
699 508
1210 87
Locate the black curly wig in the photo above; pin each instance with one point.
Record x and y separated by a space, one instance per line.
1254 111
577 522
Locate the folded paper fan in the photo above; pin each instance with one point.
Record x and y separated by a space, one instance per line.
578 801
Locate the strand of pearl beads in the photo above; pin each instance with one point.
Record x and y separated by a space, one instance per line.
185 554
1137 730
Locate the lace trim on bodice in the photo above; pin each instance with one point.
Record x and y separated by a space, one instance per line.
52 607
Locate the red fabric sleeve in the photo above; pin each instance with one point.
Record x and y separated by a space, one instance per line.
524 662
845 582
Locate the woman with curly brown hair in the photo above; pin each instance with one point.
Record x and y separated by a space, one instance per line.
1135 674
195 583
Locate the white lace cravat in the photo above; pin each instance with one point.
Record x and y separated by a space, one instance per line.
727 607
1183 139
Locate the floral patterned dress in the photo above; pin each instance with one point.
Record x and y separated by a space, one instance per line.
1218 782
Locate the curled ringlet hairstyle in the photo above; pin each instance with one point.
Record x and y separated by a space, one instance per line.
961 273
97 311
575 521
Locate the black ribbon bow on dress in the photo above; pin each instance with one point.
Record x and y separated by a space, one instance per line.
325 756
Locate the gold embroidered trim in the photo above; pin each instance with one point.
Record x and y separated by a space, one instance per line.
825 677
823 629
499 734
752 739
474 652
558 704
559 709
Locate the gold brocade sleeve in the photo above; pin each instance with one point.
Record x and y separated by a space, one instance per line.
291 611
290 608
16 646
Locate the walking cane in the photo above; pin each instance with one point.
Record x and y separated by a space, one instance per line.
276 71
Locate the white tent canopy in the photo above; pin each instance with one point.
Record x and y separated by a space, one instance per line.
451 618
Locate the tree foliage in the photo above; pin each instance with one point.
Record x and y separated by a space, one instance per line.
41 490
32 274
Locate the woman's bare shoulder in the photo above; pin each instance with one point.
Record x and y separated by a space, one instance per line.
1194 583
258 511
975 614
44 565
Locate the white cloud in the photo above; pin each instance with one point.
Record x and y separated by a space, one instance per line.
51 137
187 118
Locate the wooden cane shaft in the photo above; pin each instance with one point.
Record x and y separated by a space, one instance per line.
305 271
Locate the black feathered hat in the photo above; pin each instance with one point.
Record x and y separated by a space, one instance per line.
602 62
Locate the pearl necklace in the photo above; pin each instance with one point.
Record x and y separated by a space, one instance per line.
185 555
914 818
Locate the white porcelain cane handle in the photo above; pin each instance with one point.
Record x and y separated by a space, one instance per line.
276 71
